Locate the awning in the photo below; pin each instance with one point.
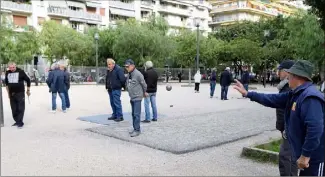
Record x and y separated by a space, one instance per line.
122 12
76 4
93 4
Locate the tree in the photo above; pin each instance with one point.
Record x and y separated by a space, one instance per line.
26 45
212 51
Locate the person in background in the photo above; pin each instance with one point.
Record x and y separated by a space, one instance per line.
3 77
197 80
179 75
151 78
213 82
287 166
137 88
36 76
14 80
115 80
304 117
225 81
66 92
57 82
245 77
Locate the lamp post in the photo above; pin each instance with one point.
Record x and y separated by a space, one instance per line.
266 35
197 22
97 69
1 101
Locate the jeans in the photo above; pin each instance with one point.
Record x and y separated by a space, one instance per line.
224 92
67 99
150 99
245 86
62 100
136 114
115 100
212 87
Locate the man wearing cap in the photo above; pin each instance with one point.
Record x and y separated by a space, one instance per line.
137 88
304 117
287 166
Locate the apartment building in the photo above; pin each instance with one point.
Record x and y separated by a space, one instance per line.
225 12
82 14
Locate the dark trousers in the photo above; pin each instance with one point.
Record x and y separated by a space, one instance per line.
67 99
197 87
212 87
136 114
224 92
17 103
314 169
115 100
287 166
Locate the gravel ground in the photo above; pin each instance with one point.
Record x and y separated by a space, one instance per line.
58 144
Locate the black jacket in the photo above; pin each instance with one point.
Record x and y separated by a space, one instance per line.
280 112
15 80
151 78
245 77
115 79
225 78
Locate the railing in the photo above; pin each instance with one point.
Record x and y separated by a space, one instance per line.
73 14
122 5
175 10
13 6
147 3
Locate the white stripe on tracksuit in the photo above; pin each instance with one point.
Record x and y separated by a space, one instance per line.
321 169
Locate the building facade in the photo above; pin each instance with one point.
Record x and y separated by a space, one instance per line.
81 14
225 12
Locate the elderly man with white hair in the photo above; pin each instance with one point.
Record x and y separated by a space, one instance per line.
151 78
225 81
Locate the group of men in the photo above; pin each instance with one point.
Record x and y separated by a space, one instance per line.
139 86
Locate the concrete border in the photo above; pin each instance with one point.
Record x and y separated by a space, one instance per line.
260 155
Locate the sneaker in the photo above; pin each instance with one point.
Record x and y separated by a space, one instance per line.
20 125
119 119
135 133
53 111
155 120
131 132
64 111
145 121
15 124
111 118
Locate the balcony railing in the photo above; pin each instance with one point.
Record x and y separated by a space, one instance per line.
73 14
121 5
175 10
231 8
147 3
18 7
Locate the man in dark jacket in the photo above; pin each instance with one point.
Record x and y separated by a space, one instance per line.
213 82
151 78
287 166
304 117
245 77
14 80
57 82
66 93
225 81
115 80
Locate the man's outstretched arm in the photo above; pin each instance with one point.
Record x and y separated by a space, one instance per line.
270 100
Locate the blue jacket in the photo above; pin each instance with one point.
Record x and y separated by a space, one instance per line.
213 77
57 81
225 78
245 77
115 79
304 119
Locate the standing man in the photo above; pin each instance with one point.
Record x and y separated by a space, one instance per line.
36 76
245 78
287 166
137 88
151 78
304 117
57 82
225 81
14 80
213 82
66 92
115 80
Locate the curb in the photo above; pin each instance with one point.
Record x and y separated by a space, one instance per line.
260 155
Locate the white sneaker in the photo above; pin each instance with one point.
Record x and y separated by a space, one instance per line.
53 111
68 109
64 111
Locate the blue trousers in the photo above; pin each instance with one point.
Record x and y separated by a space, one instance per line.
67 99
150 99
115 100
61 95
136 114
212 87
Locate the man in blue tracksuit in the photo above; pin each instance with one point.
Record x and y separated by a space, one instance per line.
304 117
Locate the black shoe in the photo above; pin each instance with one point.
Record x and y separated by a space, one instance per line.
155 120
20 125
15 124
145 121
111 118
119 119
226 99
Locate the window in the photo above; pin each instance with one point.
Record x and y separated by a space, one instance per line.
91 10
20 20
41 20
102 11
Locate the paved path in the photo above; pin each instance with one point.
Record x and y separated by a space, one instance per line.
58 144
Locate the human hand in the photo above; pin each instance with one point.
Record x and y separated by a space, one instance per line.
303 162
146 94
28 92
240 88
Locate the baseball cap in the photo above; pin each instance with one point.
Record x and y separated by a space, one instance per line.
129 62
286 64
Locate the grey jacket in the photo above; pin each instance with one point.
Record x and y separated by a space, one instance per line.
136 85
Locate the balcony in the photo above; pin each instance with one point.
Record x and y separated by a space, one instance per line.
121 5
80 16
16 7
145 3
265 11
174 10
